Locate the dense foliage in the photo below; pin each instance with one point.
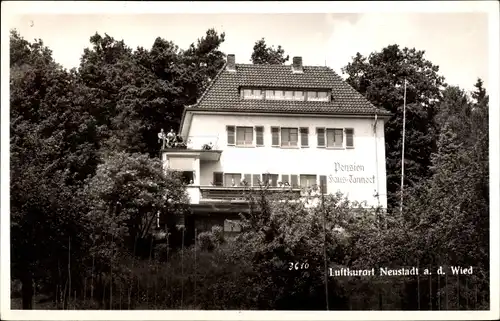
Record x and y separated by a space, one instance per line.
87 190
381 79
264 55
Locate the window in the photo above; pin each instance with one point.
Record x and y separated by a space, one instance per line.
285 179
304 137
349 137
252 94
294 181
275 133
312 95
321 137
298 95
270 179
256 180
307 180
322 184
218 179
230 135
323 96
232 180
317 96
279 94
289 136
232 226
248 180
259 135
275 94
288 95
244 136
187 177
334 137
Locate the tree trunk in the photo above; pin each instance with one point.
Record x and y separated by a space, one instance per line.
27 290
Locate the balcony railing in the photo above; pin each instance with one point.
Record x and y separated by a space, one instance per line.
238 193
207 142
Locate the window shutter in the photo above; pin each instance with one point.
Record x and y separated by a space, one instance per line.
274 179
265 179
275 133
294 181
322 184
259 134
304 137
321 137
230 135
349 137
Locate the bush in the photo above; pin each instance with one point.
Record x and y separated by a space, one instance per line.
206 241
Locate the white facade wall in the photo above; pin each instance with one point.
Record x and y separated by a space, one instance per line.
359 185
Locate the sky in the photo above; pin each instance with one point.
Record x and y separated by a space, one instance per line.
456 42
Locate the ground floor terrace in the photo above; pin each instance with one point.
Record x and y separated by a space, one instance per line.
202 218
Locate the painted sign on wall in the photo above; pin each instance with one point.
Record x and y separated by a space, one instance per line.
343 174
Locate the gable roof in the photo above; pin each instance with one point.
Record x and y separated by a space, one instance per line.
223 93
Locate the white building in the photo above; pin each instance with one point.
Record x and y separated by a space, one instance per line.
290 124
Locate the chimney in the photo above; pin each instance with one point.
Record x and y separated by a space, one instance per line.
297 65
231 63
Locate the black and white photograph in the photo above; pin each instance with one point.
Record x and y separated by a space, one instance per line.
250 160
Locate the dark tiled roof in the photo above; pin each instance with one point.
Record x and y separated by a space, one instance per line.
223 93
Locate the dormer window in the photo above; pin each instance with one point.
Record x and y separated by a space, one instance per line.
317 96
284 94
252 93
288 95
275 94
298 95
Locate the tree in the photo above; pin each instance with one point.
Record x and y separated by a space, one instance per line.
281 229
53 148
127 194
203 62
479 95
264 55
64 123
448 213
460 173
143 91
380 78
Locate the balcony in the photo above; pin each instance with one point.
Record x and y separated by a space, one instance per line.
206 147
207 142
237 194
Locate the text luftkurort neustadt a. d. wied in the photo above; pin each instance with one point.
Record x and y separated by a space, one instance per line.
409 271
